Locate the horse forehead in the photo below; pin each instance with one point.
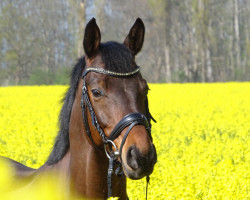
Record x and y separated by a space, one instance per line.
124 85
95 61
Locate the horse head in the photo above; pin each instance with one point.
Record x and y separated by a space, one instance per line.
117 103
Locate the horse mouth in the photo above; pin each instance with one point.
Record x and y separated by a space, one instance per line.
136 165
138 173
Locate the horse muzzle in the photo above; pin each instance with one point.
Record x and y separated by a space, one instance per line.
138 165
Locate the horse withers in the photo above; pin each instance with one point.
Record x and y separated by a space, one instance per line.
105 123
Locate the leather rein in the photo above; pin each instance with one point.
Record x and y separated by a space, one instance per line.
129 121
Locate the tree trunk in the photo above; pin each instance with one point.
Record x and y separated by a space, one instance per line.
81 21
236 33
168 40
209 69
167 63
209 66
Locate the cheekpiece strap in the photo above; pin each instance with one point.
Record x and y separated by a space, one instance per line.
85 103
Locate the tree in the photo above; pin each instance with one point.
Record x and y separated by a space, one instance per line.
185 40
38 35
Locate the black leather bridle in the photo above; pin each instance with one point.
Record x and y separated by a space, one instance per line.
129 121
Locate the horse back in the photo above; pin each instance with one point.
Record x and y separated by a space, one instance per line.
19 170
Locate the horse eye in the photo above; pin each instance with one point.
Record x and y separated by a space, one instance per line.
96 93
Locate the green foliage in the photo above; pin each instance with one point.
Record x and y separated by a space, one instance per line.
158 7
37 44
179 76
41 77
62 76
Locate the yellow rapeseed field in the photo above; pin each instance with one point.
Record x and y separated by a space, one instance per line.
202 137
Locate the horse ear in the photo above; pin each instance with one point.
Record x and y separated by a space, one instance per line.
92 38
135 38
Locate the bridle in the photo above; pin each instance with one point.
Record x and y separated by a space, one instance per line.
129 121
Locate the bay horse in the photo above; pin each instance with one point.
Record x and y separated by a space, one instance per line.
104 122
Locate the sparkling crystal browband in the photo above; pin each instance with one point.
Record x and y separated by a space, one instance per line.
110 73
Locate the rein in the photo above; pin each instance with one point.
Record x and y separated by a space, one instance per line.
129 121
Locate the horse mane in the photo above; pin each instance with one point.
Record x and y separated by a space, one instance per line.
116 57
61 145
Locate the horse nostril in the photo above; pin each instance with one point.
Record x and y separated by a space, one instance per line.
132 158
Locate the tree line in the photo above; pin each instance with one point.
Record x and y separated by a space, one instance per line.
185 41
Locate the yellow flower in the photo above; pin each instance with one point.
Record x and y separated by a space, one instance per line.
202 137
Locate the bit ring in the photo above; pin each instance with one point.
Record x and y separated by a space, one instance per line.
111 153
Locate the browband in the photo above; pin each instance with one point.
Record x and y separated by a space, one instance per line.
110 73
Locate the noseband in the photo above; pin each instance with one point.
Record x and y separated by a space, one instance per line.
129 121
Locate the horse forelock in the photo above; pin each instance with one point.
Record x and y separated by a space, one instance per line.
116 57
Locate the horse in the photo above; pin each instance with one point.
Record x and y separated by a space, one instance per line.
105 123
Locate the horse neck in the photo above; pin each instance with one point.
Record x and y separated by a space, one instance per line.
89 165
